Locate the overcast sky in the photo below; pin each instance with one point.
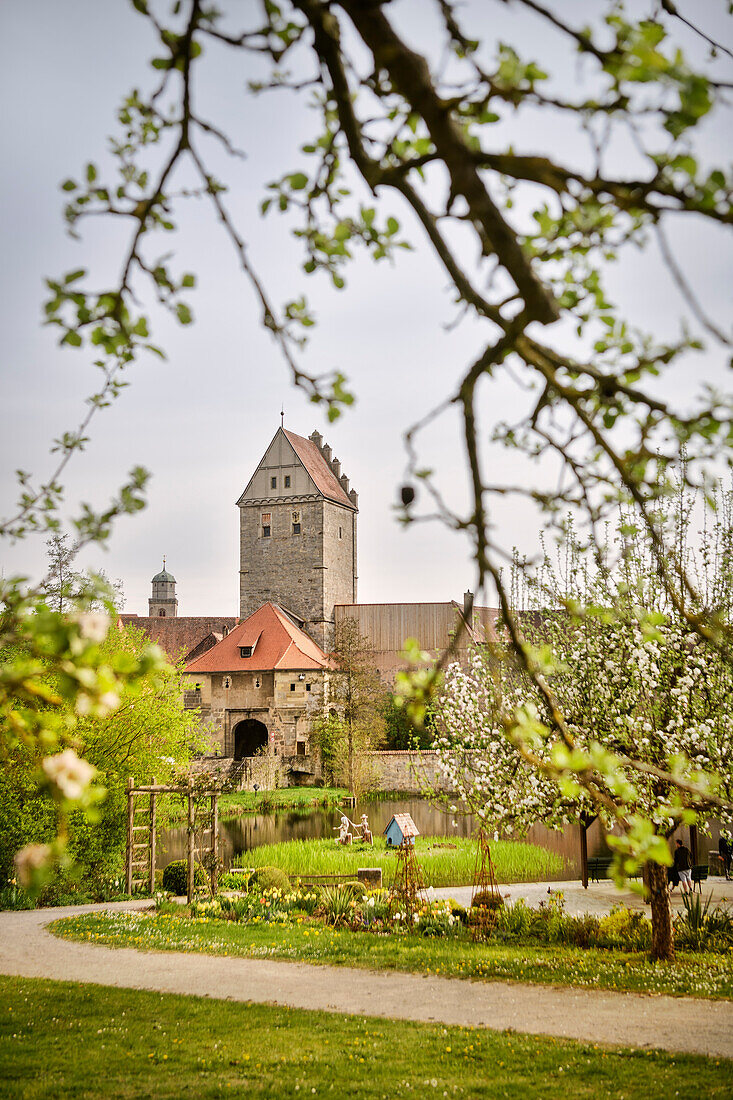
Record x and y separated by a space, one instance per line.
201 421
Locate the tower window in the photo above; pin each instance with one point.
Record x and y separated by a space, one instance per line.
292 687
266 524
307 687
161 613
273 483
296 523
287 481
340 533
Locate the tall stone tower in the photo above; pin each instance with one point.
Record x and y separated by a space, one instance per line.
163 603
298 534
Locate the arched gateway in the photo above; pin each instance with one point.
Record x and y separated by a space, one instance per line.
250 737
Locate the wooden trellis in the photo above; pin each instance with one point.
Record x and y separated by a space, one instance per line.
485 896
408 886
142 819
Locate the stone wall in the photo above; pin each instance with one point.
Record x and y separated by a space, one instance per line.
339 559
407 771
268 772
283 568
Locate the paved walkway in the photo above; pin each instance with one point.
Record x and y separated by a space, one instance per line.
599 898
674 1024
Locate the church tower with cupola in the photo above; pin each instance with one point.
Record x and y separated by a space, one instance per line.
298 534
163 603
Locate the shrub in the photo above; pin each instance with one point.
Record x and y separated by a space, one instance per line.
581 931
358 889
626 928
487 899
437 920
229 881
268 878
514 920
175 877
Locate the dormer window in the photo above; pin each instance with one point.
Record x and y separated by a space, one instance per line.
245 651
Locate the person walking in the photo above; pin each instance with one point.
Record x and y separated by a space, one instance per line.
683 867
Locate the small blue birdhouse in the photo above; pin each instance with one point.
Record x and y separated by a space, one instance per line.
401 827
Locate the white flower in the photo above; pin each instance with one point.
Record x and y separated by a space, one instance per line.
29 859
109 701
94 625
70 774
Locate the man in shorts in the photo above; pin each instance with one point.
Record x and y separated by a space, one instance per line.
683 867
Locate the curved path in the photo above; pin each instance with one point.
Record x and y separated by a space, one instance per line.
674 1024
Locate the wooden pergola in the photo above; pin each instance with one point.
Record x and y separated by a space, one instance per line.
144 863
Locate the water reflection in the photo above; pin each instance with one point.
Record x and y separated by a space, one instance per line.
244 833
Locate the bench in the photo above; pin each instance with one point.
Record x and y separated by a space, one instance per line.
699 875
598 867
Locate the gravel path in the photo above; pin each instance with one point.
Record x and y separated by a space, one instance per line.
599 898
673 1024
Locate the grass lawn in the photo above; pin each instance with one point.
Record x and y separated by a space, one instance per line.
64 1039
237 803
446 861
696 975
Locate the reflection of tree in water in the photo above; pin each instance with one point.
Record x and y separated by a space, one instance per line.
250 831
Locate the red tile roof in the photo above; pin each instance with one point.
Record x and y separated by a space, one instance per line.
179 636
323 476
277 643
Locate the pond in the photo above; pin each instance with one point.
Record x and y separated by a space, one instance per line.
241 834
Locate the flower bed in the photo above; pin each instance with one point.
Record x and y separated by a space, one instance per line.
349 906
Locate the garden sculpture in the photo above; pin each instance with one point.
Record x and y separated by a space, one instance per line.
344 836
366 833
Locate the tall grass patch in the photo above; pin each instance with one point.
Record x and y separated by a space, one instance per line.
445 861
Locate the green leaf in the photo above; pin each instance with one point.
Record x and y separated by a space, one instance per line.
68 185
188 280
297 181
91 173
183 313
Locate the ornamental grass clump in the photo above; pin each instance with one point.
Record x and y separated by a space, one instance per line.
337 905
704 927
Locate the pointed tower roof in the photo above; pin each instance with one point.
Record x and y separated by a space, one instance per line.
275 642
323 476
317 466
164 576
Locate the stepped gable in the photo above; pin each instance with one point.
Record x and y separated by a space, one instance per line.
320 471
276 641
180 636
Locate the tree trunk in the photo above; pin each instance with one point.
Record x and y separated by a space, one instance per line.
662 934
